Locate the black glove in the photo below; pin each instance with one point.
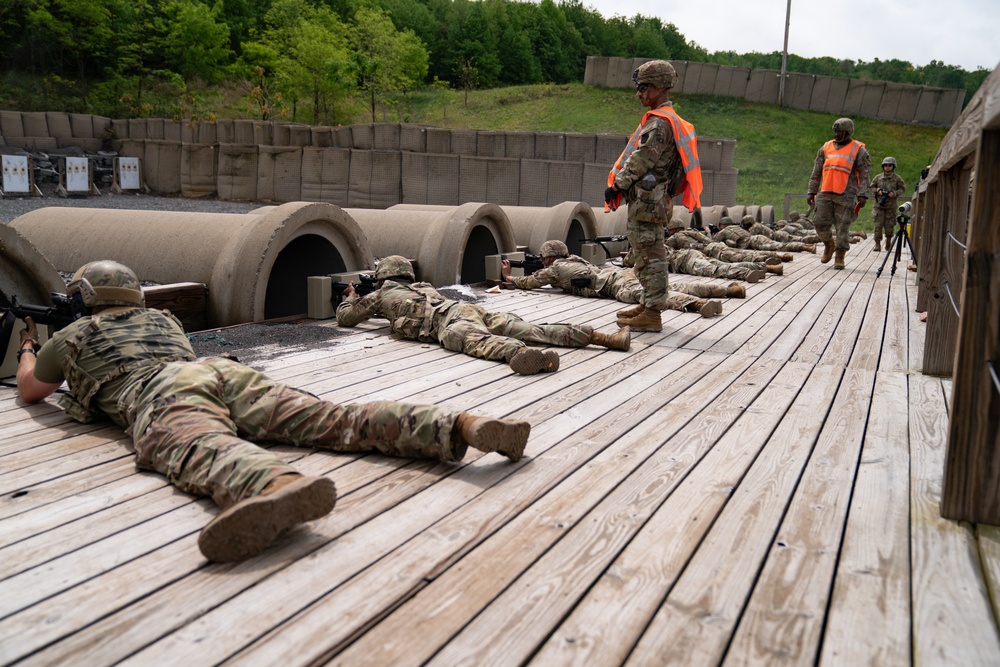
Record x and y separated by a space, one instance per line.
610 194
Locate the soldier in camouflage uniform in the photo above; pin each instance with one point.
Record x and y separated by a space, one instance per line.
680 238
755 228
416 311
577 276
193 419
659 161
737 236
839 180
696 263
890 185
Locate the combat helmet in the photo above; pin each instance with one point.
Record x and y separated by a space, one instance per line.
656 72
394 266
845 124
553 248
674 224
725 221
889 160
106 283
748 220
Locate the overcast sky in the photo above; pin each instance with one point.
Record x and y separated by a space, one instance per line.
965 33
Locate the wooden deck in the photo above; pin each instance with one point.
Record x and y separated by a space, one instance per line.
756 488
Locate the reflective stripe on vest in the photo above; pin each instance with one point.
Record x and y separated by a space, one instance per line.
687 147
838 164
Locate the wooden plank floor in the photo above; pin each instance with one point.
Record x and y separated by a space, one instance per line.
756 488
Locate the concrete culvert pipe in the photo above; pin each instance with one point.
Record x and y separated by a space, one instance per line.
767 215
682 213
569 222
28 275
710 216
449 243
254 264
753 210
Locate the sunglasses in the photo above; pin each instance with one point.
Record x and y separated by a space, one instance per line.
642 87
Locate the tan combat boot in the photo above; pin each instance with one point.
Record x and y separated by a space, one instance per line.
634 311
647 320
863 233
878 245
828 248
776 269
504 436
249 526
756 276
531 360
616 341
736 291
787 257
709 308
773 260
838 263
809 247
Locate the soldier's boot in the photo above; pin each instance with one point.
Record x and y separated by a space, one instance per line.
838 263
630 312
787 257
827 251
647 320
809 247
531 360
863 234
776 269
773 260
709 307
756 276
736 291
487 434
248 527
878 245
616 341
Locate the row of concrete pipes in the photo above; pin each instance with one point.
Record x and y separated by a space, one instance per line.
256 265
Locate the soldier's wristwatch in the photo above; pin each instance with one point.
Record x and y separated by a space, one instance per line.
26 349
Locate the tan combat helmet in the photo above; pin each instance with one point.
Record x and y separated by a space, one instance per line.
725 221
675 224
748 220
394 266
656 72
889 160
845 125
554 248
106 283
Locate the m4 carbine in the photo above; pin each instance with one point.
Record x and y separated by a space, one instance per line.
366 285
530 263
55 317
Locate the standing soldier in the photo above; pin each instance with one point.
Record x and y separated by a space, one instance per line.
659 161
887 187
839 178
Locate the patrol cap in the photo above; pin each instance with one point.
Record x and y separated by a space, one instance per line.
394 266
106 283
553 248
656 72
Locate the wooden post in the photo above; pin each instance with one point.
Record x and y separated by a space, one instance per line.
971 488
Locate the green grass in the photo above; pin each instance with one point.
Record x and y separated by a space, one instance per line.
775 147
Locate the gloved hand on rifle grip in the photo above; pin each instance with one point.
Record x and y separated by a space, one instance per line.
30 333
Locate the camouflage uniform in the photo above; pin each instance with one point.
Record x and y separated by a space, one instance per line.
724 253
192 420
695 263
782 235
885 216
610 282
835 211
687 238
417 312
735 236
650 174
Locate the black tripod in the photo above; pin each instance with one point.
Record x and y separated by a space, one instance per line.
897 239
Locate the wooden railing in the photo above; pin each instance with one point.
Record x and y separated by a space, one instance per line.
957 241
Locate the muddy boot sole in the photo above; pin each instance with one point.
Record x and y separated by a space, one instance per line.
499 435
711 309
248 527
531 360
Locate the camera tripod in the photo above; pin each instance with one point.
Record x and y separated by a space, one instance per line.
897 239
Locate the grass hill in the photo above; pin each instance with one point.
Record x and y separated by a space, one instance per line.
775 146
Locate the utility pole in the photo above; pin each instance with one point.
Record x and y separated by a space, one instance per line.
784 56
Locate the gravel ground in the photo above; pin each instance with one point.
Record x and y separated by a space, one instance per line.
12 207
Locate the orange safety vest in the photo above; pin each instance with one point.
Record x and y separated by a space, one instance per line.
838 164
687 146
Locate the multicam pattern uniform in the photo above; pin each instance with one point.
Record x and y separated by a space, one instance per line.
417 312
696 263
885 216
192 419
610 282
759 228
735 236
690 238
648 178
835 212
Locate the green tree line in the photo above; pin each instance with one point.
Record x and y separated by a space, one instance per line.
333 61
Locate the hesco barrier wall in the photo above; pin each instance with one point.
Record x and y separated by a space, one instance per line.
361 166
897 102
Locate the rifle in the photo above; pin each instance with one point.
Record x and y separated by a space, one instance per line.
601 240
883 201
366 285
62 312
530 263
